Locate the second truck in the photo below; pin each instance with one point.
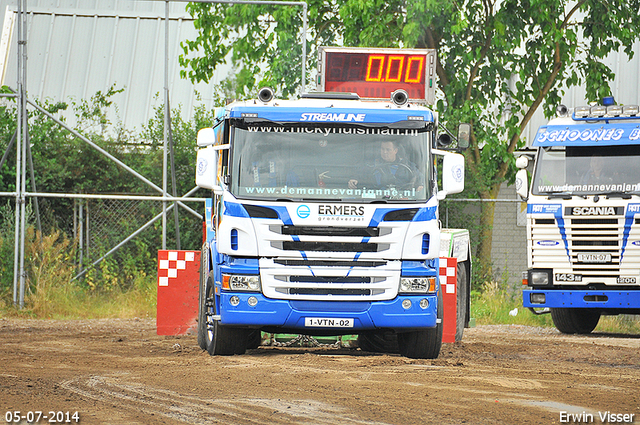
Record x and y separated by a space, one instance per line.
583 216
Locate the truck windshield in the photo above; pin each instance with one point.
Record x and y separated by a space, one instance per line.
587 170
330 163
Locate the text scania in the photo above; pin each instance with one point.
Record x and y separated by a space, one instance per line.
340 210
333 117
594 211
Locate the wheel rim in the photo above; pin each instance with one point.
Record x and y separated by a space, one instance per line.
210 310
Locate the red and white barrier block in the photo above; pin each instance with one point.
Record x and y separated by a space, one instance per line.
448 276
178 277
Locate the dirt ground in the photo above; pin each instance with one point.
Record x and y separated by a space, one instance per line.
121 372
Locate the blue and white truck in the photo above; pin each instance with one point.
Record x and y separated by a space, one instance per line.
583 216
324 215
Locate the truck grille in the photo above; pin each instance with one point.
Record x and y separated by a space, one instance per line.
597 248
330 239
330 231
330 263
330 246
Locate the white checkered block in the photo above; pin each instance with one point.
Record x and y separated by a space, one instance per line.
168 267
447 274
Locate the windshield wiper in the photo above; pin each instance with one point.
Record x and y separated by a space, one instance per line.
623 195
563 194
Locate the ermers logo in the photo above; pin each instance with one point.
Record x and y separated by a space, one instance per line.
202 166
333 117
594 211
303 211
341 210
458 173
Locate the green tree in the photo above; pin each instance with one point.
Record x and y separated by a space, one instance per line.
498 61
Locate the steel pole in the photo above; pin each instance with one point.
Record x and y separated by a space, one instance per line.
23 172
16 253
166 124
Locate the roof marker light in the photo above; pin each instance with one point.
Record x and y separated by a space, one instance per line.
582 111
614 111
630 110
598 111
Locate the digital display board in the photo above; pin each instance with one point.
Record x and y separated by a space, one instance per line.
375 73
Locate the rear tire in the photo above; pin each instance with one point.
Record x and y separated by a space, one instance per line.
254 340
425 343
228 341
462 288
575 320
379 342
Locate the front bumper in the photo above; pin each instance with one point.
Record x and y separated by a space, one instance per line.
607 299
291 314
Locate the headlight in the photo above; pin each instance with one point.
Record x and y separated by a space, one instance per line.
540 278
420 285
538 298
236 282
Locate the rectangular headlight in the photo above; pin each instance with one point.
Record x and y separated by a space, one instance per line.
236 282
537 298
417 285
540 278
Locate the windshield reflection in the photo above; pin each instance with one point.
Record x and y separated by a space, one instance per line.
588 170
332 163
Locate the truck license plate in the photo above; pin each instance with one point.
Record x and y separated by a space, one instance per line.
596 257
316 322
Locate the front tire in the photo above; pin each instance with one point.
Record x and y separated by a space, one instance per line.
575 320
425 343
221 340
202 317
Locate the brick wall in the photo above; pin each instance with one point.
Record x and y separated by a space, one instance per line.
509 245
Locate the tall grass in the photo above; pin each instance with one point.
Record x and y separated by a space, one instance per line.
51 291
494 301
492 304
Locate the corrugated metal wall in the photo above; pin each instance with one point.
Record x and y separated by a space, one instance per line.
78 47
625 88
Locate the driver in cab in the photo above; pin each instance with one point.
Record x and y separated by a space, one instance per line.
390 170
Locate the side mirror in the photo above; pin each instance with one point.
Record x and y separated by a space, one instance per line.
464 136
206 137
522 183
207 168
452 174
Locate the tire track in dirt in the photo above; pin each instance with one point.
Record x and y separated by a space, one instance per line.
196 410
